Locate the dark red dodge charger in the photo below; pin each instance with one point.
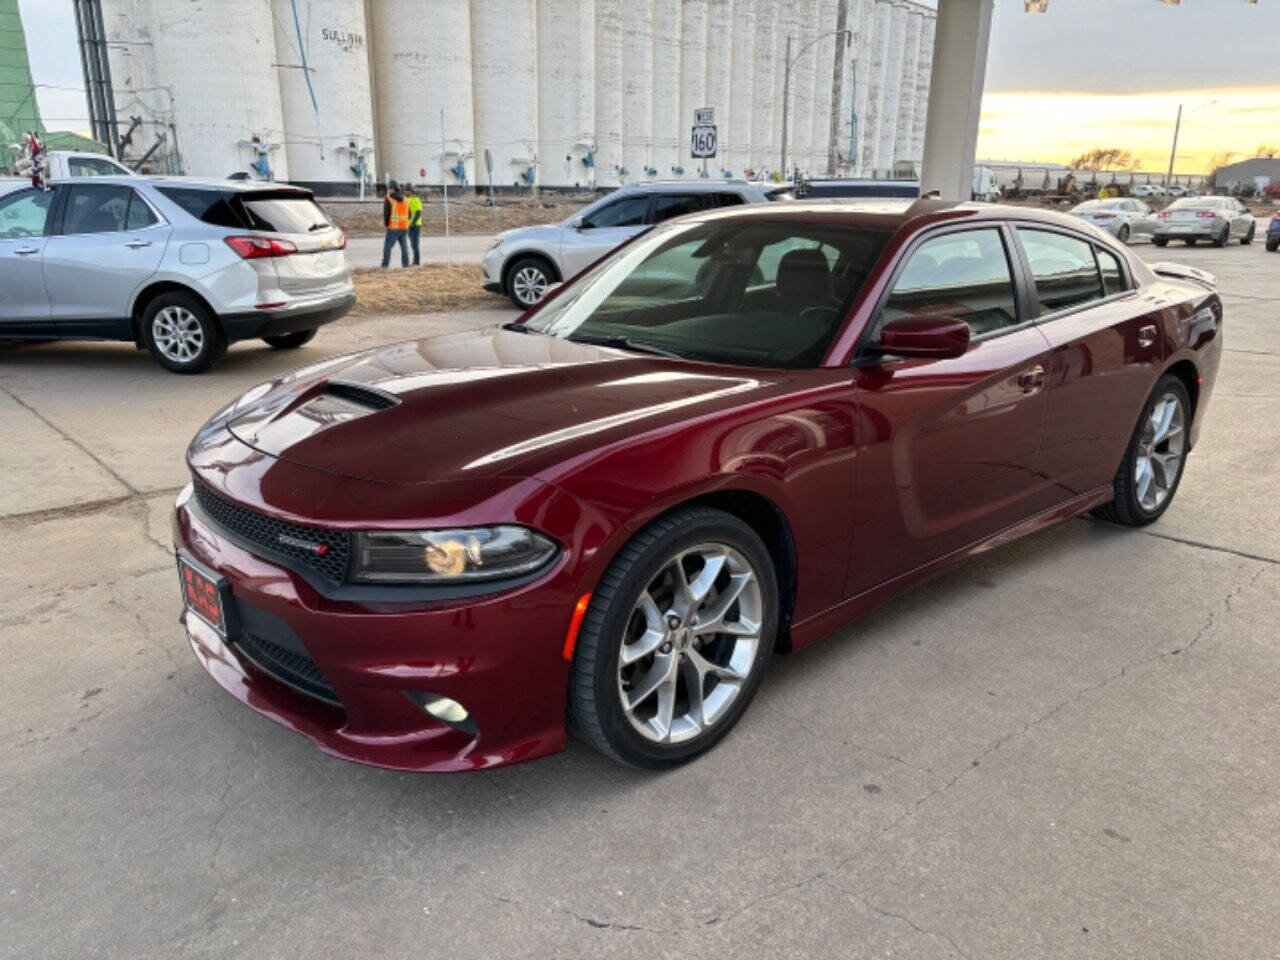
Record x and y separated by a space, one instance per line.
731 436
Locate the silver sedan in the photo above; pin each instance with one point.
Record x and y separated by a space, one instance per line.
1217 219
1123 217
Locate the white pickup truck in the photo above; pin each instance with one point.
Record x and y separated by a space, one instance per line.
64 165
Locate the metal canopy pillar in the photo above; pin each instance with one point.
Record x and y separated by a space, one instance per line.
955 97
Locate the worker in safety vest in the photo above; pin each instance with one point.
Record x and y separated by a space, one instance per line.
395 215
415 222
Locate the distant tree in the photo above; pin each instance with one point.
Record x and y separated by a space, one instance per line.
1105 158
1268 150
1217 162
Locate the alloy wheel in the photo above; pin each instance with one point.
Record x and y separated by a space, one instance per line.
690 643
1160 452
529 284
178 334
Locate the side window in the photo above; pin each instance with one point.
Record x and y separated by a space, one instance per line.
627 212
96 210
666 206
963 275
24 214
730 199
140 215
1065 271
209 206
92 167
1113 280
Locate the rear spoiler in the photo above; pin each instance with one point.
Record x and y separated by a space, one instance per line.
1178 271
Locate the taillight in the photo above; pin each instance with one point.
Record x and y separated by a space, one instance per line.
1164 214
342 241
1206 215
252 248
1104 216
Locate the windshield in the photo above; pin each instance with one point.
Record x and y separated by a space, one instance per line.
737 291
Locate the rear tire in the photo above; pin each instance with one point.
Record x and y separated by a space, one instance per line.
1221 239
290 341
1155 459
182 334
1190 241
1273 246
527 281
1248 237
645 630
1160 241
1123 235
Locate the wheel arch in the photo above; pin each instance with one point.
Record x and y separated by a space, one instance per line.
153 290
528 253
1186 371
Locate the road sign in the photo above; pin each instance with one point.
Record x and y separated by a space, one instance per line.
705 117
703 142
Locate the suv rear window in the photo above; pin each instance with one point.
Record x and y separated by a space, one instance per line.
283 213
209 206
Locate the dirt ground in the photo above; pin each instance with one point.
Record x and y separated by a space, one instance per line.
425 289
470 215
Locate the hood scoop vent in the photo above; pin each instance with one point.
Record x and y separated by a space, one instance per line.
359 396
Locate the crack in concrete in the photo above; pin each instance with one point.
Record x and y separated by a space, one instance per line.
1242 554
589 921
73 510
855 745
903 918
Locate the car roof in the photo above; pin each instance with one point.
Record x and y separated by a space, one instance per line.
198 183
693 186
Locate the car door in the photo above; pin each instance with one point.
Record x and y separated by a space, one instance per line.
1144 221
947 448
599 231
25 217
108 242
1105 350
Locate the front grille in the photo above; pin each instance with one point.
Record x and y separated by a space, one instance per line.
259 530
295 669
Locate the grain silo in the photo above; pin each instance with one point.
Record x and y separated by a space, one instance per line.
637 91
504 85
923 79
719 56
800 123
693 78
879 45
741 92
218 62
608 106
892 87
907 91
414 81
566 93
820 121
862 23
667 150
322 60
762 85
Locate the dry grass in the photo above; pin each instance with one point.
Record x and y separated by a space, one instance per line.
466 216
430 287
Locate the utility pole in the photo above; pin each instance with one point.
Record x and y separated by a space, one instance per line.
837 79
786 103
1177 127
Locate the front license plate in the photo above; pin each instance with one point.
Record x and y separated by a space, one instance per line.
202 594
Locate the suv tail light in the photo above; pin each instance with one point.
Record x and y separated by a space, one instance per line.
1206 215
252 248
1164 214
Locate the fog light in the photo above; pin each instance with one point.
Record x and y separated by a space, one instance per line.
447 711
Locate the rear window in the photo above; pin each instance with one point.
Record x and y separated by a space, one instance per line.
209 206
283 214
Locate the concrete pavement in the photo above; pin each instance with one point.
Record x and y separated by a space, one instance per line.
1065 749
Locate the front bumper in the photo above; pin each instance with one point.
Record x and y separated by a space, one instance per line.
492 263
304 315
341 672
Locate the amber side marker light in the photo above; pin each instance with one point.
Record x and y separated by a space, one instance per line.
575 624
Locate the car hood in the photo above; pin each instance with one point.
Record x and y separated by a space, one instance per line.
476 405
544 233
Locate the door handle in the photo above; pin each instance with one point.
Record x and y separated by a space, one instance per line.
135 244
1030 381
1146 335
26 251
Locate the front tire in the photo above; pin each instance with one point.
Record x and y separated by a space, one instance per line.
181 333
1273 245
290 341
1153 462
1123 235
1248 237
527 281
676 639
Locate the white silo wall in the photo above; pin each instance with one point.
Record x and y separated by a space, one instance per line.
741 89
138 92
566 92
608 92
504 84
218 60
415 80
800 125
923 81
879 47
910 76
785 26
824 52
637 90
667 155
693 79
862 23
720 16
892 87
762 156
327 136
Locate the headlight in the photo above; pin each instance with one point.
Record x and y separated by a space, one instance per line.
497 242
450 556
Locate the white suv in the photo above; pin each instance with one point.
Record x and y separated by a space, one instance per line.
522 263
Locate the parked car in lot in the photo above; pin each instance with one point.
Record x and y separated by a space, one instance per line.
66 165
524 262
1217 219
733 435
1145 190
1273 234
180 267
1124 218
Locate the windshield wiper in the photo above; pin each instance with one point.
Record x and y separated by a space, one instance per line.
627 343
317 226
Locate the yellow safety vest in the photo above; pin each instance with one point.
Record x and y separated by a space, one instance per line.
399 219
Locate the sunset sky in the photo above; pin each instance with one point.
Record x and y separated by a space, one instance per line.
1088 73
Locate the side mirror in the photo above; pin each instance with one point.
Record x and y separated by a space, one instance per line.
935 338
577 223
